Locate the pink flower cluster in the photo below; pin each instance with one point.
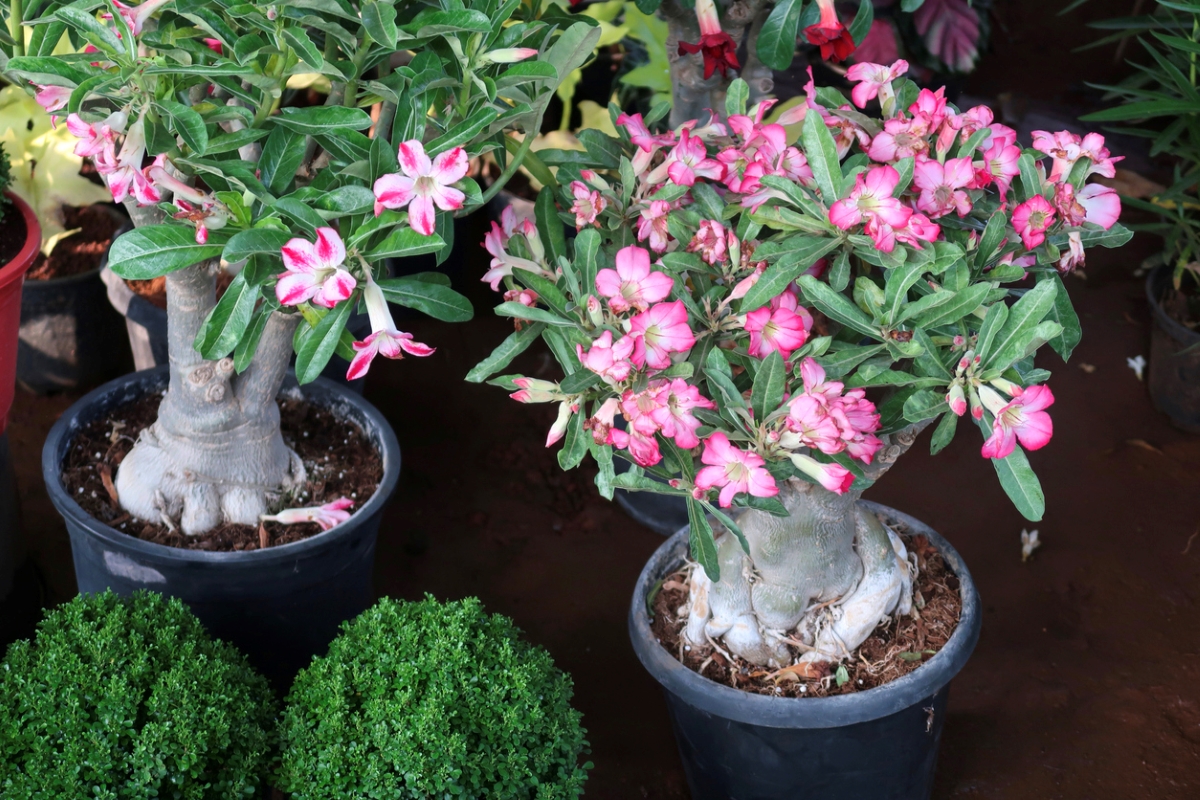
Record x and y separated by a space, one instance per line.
496 241
825 417
664 407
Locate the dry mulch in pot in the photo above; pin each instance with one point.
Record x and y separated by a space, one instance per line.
894 649
154 290
339 458
81 251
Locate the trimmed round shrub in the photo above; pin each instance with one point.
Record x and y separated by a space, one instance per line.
131 698
431 700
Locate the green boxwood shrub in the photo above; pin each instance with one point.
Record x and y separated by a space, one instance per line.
425 701
131 698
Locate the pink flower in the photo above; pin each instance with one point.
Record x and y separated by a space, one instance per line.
202 210
871 78
314 271
588 204
688 161
52 98
609 361
640 407
1065 148
98 140
327 516
710 242
1074 257
127 177
214 45
135 16
919 229
422 185
1000 164
1031 219
833 477
930 106
495 240
1101 203
652 225
942 185
813 376
384 339
781 327
641 136
871 199
633 284
674 413
644 449
1024 418
602 428
736 471
900 138
659 332
810 421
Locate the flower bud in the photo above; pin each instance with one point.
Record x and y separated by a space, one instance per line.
507 55
531 390
957 399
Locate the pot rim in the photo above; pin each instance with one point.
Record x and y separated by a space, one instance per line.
807 712
156 378
1155 285
15 269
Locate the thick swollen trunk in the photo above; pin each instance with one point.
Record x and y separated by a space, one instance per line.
215 454
820 579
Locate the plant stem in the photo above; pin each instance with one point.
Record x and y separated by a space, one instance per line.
517 157
16 27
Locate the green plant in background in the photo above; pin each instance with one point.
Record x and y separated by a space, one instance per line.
1160 102
45 169
130 698
427 699
5 179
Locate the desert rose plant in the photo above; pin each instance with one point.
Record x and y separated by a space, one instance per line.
181 106
763 328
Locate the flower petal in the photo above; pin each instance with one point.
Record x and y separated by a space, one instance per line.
450 166
421 215
413 160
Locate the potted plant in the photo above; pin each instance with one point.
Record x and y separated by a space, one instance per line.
776 324
69 336
428 699
178 107
1154 99
131 697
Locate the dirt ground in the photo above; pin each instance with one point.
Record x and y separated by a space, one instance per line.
1085 680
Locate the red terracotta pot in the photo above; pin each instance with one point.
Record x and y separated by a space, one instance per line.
12 277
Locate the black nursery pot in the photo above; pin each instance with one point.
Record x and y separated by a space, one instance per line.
282 605
879 744
71 336
1174 378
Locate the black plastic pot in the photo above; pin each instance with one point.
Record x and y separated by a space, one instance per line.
281 605
880 744
70 336
1174 376
10 520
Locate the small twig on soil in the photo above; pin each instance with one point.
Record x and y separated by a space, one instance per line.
264 538
1191 539
106 479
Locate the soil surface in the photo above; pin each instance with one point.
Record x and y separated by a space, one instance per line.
892 651
12 232
340 460
80 252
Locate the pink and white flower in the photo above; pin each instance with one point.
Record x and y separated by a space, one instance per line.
652 225
52 98
633 284
127 177
833 477
502 264
781 327
327 516
1031 219
98 140
201 209
1101 204
135 16
1000 164
710 242
900 138
607 359
674 413
1022 419
734 471
872 79
384 339
588 205
942 185
422 185
315 271
809 419
659 332
686 162
871 200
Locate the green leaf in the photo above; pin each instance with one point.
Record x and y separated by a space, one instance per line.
836 306
924 404
48 71
1144 110
579 382
155 250
549 225
265 241
243 354
502 356
299 41
228 320
839 363
464 132
701 540
90 28
737 94
957 306
380 21
802 253
316 345
347 200
189 125
228 142
547 291
439 302
1063 312
282 153
1023 317
943 433
436 23
316 120
573 47
767 392
606 475
404 242
822 157
587 251
603 148
575 443
1030 181
997 315
898 282
862 22
777 38
1021 484
521 311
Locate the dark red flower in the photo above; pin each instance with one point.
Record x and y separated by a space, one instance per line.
834 40
720 53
